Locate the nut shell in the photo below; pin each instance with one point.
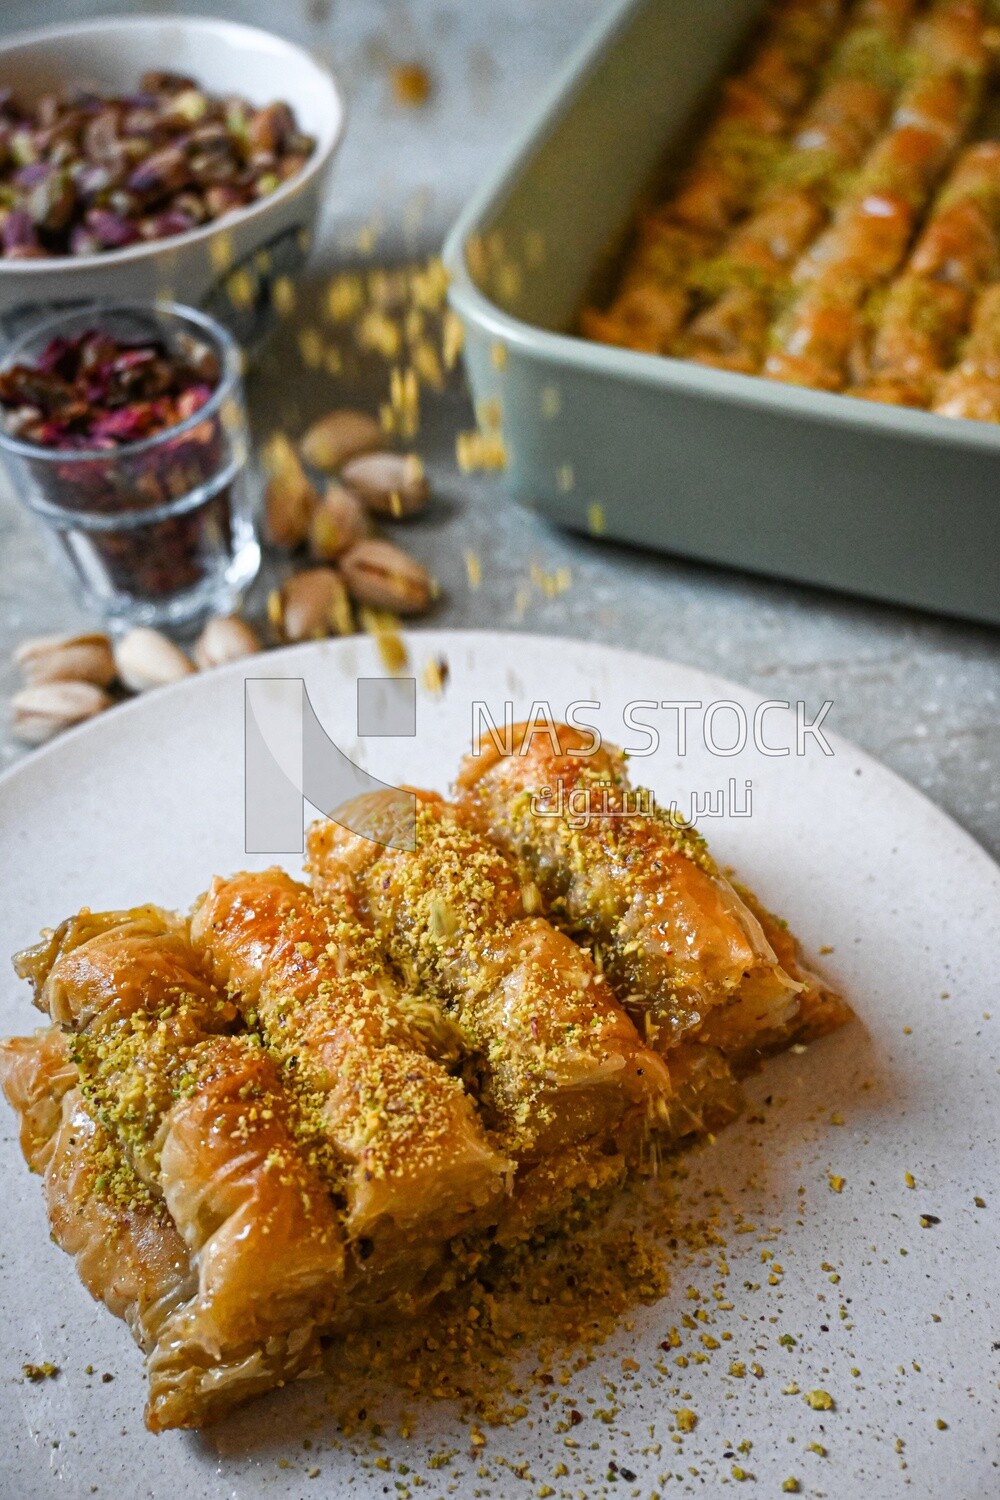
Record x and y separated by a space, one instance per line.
147 659
66 658
383 575
338 437
47 708
390 484
338 522
226 638
311 606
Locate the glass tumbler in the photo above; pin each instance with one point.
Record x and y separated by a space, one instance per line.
158 531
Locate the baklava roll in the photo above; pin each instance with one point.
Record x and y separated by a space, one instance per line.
757 112
407 1144
198 1140
870 233
561 1061
758 107
972 388
127 990
680 946
127 1250
927 309
242 1186
746 279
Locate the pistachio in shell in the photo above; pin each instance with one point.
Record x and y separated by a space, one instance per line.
390 484
382 575
335 439
310 606
337 523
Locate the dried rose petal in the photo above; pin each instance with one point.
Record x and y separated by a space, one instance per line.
92 390
127 425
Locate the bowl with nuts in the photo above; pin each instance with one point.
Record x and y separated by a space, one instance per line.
123 430
148 158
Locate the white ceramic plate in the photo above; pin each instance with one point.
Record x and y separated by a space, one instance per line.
147 802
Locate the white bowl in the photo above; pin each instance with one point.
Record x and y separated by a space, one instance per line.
227 266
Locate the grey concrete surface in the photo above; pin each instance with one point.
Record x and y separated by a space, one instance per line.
921 694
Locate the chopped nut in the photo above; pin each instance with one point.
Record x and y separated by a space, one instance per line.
226 638
66 658
434 677
50 707
338 522
411 84
384 628
390 484
290 497
147 659
80 175
819 1400
338 437
382 575
311 606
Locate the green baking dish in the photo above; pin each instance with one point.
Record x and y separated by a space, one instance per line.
733 469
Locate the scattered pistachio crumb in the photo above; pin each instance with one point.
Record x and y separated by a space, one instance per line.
819 1400
411 84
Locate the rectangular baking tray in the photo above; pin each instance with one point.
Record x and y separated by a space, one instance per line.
734 469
